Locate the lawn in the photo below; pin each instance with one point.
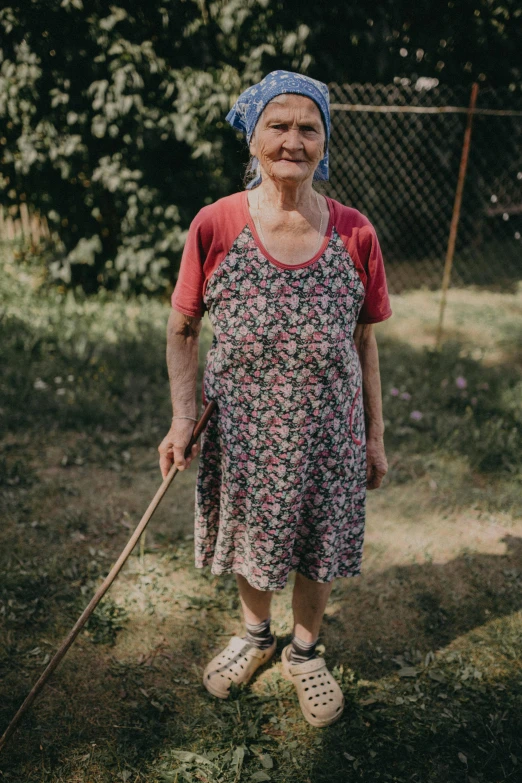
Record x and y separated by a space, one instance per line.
425 643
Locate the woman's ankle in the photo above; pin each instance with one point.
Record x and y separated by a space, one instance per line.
301 651
259 634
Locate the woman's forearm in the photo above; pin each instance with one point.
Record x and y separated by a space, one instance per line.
182 362
366 345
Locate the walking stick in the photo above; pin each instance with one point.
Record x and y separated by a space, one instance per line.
115 570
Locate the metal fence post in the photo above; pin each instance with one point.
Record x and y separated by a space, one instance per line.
456 213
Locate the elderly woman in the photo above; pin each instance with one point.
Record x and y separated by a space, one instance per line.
292 282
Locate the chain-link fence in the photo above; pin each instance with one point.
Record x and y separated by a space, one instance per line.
395 156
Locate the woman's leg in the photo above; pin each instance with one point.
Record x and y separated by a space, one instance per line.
255 603
308 603
322 701
243 656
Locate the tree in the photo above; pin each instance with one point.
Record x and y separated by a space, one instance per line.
113 116
114 125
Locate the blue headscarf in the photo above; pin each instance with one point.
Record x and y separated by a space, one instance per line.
245 113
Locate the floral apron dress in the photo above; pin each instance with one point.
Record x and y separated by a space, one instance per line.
281 481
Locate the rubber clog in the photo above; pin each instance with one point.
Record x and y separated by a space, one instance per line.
320 697
235 664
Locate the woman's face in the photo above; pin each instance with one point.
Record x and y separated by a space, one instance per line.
289 138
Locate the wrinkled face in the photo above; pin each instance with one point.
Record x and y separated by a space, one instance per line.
289 138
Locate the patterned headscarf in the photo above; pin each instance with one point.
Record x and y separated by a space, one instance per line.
245 113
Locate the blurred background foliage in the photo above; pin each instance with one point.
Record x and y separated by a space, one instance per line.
113 115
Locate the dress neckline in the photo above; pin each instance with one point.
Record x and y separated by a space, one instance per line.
264 251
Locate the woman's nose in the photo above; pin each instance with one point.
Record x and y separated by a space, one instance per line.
292 139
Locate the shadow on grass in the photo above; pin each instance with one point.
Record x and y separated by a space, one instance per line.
429 734
73 382
104 710
424 606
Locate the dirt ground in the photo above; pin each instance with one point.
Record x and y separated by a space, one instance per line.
442 577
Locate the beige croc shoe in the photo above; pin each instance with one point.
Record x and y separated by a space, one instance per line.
235 664
320 698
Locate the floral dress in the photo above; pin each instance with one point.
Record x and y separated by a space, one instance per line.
281 483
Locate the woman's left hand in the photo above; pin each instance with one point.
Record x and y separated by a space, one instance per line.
376 462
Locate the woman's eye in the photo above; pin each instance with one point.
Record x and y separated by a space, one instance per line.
303 128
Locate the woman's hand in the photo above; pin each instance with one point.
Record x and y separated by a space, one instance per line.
172 447
376 462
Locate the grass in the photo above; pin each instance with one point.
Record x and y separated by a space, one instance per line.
425 644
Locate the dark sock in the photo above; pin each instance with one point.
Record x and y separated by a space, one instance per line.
259 635
301 651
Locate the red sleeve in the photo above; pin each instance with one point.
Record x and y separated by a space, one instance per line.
209 238
360 239
188 293
376 305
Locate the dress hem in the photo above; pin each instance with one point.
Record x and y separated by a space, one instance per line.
272 588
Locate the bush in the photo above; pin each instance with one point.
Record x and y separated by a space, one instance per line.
113 125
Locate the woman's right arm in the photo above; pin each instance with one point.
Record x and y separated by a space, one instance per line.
182 364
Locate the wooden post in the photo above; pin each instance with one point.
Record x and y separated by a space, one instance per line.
26 224
35 230
456 213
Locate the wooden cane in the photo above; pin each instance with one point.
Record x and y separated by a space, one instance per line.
115 570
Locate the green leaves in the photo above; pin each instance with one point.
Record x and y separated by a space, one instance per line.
213 767
141 100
